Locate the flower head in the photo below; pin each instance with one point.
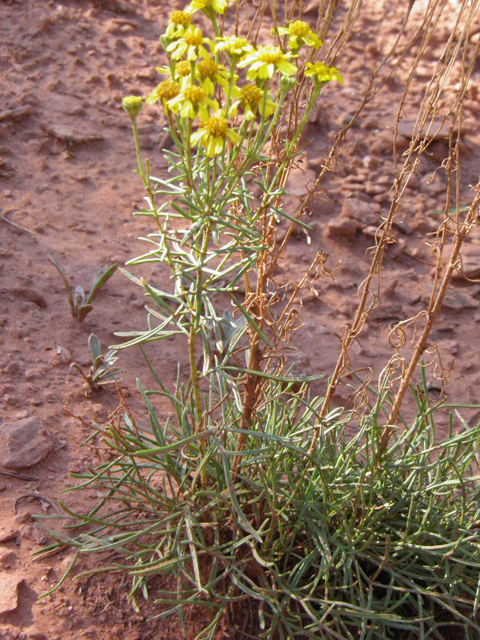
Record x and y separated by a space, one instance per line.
213 133
178 23
164 92
250 97
183 69
132 105
209 73
235 48
182 72
300 33
190 102
190 45
321 74
206 6
265 61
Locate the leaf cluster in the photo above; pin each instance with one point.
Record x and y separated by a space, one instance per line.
80 303
332 545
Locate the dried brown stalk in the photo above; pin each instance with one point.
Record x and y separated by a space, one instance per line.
420 143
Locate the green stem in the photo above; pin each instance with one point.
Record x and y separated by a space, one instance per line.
229 90
290 145
139 155
194 372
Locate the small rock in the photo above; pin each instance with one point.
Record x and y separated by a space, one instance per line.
360 212
9 586
343 227
60 356
433 186
316 164
403 226
31 374
459 301
24 517
301 365
13 368
449 345
24 443
301 182
7 558
386 311
471 263
390 288
374 189
34 534
9 535
370 231
370 162
71 136
16 114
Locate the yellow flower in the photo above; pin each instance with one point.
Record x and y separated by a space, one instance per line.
233 46
209 73
218 6
178 23
321 74
183 69
265 61
250 98
132 105
300 33
190 102
166 90
213 133
190 45
182 73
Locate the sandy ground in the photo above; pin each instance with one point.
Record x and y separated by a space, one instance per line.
66 177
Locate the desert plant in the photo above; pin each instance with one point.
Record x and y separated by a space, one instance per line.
101 371
80 306
329 545
331 523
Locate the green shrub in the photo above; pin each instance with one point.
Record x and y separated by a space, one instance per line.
332 523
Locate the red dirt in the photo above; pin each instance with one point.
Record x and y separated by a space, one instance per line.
66 167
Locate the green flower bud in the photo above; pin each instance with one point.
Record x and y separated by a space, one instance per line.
132 105
287 83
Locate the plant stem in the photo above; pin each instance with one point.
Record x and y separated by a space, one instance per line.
137 149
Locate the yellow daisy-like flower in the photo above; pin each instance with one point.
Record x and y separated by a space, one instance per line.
218 6
265 61
209 73
165 91
300 33
250 97
235 48
182 73
190 102
321 74
132 105
213 133
178 23
190 45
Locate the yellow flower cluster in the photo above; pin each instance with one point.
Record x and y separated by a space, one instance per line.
197 73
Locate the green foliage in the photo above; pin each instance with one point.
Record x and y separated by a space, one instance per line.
81 305
235 496
333 545
102 371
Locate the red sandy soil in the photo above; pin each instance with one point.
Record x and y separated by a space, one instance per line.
66 176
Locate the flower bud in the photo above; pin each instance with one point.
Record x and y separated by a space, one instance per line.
287 83
132 105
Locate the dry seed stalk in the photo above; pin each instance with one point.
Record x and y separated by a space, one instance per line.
420 143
